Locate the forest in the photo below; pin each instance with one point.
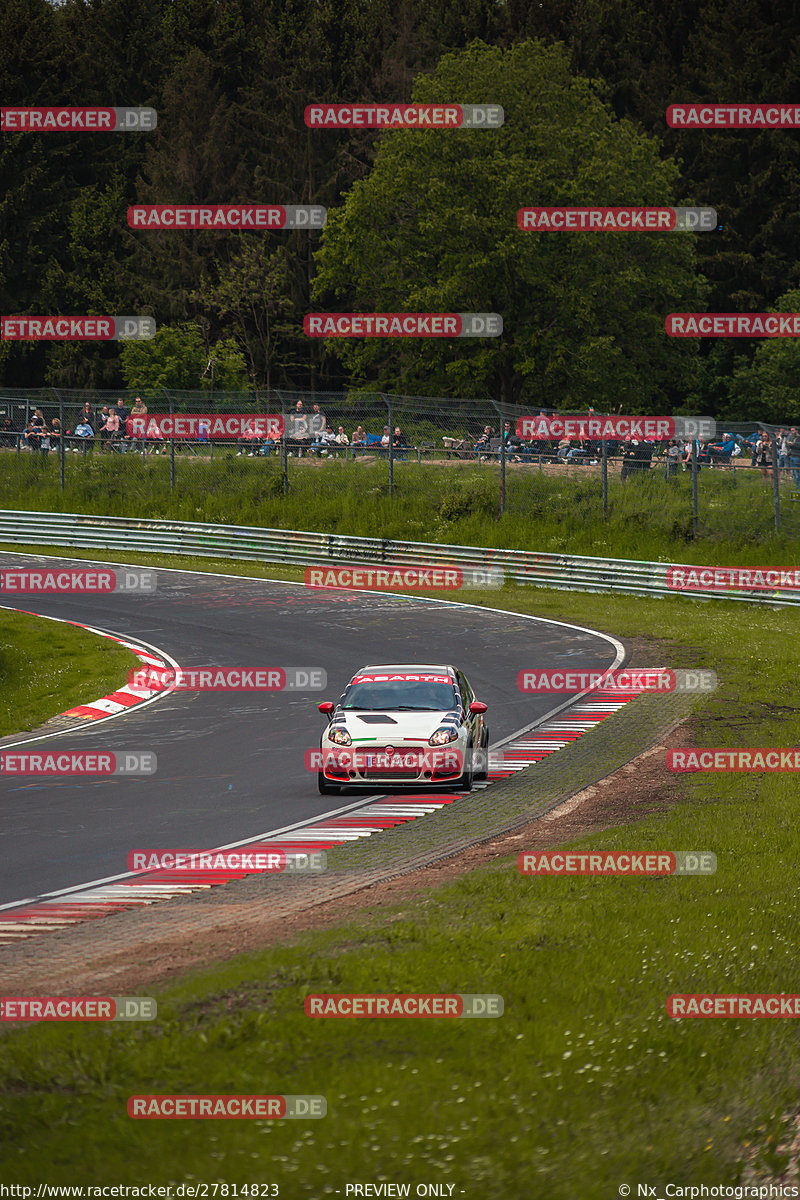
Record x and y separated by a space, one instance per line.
417 221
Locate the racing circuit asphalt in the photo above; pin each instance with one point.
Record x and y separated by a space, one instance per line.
231 765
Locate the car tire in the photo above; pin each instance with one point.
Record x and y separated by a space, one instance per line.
325 788
481 776
464 783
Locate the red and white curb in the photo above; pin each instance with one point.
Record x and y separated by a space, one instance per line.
125 697
59 911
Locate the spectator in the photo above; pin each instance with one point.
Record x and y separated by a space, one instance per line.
673 456
793 455
399 442
764 455
721 452
484 443
317 428
87 416
123 412
8 432
630 458
39 424
139 410
84 431
511 442
55 435
103 416
783 456
752 442
31 437
317 422
563 449
359 438
111 428
298 429
247 442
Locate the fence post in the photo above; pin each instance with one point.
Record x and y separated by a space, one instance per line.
502 466
604 474
695 514
61 439
284 451
388 402
171 440
776 483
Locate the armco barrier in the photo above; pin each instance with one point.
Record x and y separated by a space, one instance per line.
564 571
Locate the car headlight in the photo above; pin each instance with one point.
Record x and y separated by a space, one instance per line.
443 735
340 737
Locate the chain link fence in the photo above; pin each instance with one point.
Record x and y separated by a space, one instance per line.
192 432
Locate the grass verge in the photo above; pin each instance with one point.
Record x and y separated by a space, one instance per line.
47 667
583 1085
649 517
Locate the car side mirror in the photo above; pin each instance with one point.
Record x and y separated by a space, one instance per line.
477 706
326 707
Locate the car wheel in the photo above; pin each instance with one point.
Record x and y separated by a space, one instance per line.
484 773
325 788
465 781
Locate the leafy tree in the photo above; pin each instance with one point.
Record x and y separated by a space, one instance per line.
768 388
177 358
433 229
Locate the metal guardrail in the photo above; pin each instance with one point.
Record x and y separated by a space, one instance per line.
292 546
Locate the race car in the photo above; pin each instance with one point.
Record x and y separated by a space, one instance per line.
404 725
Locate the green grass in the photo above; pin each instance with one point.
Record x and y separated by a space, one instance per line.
47 667
582 1085
649 517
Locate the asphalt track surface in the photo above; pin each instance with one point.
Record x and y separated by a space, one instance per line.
231 765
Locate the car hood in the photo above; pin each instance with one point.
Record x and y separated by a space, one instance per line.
389 727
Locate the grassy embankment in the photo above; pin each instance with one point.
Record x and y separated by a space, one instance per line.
649 518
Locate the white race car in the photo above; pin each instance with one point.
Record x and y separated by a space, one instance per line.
404 725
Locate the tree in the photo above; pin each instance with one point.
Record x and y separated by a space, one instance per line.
768 387
433 229
177 358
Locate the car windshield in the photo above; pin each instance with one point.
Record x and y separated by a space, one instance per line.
400 695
